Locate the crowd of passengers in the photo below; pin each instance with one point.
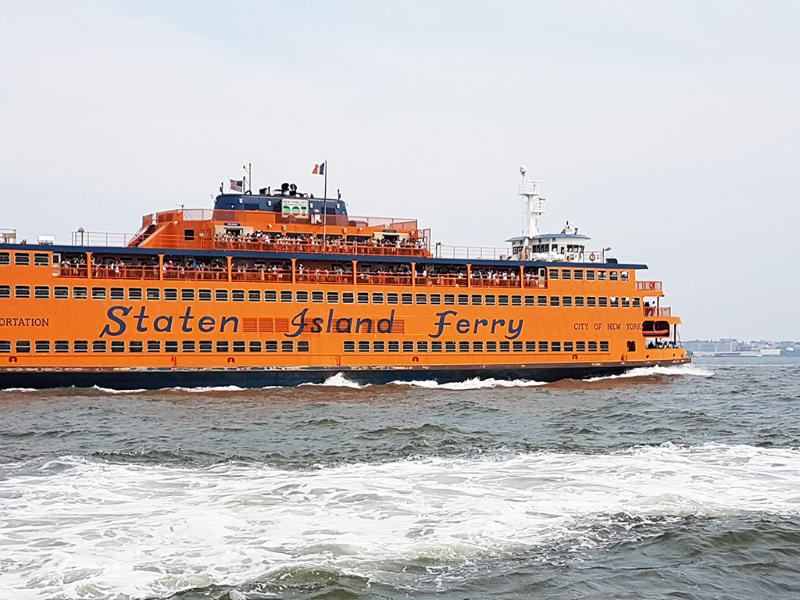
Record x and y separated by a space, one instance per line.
662 344
308 239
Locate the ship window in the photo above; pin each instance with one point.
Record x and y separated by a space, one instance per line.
517 346
502 300
602 302
301 296
348 297
580 346
377 298
41 260
601 275
553 273
555 346
542 346
222 346
449 299
392 298
408 346
516 300
603 346
566 274
569 346
171 347
407 298
98 293
22 346
436 299
80 346
22 291
286 296
623 275
363 298
477 346
80 293
477 299
134 293
394 346
631 345
530 346
626 302
41 291
117 346
61 346
490 300
204 295
270 346
238 346
170 294
422 346
5 258
236 295
153 346
578 274
463 299
42 345
22 259
554 300
187 346
436 346
530 300
491 346
188 235
378 346
219 295
566 301
5 291
302 346
153 293
505 346
589 275
272 296
254 346
317 297
636 303
333 297
116 293
5 346
463 346
592 346
187 294
253 295
363 346
449 346
206 346
541 300
99 346
349 346
613 275
591 301
136 347
579 301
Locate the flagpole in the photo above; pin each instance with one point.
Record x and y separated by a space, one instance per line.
325 207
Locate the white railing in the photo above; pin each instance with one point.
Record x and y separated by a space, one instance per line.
100 238
471 252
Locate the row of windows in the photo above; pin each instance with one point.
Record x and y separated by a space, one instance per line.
42 259
153 346
221 295
424 346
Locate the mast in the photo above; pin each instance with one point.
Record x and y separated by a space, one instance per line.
533 204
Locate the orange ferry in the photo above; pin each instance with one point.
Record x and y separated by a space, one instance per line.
281 288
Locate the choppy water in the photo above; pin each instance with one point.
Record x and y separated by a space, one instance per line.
664 483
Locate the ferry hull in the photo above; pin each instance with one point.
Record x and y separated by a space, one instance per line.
123 379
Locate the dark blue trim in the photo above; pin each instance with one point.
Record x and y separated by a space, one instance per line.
124 250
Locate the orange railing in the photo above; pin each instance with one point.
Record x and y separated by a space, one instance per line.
654 311
180 273
648 286
442 280
109 272
317 248
496 282
261 275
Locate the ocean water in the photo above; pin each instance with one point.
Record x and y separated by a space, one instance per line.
662 483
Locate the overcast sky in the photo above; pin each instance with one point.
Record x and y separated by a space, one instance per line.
669 131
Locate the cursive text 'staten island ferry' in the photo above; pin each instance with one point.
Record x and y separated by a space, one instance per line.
281 288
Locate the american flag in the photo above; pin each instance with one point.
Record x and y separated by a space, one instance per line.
237 184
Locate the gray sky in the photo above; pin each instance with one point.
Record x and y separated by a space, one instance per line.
669 131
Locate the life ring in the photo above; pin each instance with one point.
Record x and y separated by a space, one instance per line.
592 257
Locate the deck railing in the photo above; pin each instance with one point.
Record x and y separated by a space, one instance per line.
657 311
648 286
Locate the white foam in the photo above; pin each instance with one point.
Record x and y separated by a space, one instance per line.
208 388
686 369
471 384
19 389
93 529
338 380
115 391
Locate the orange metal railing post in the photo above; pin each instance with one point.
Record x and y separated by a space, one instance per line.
294 263
160 266
89 265
469 275
230 264
413 274
355 272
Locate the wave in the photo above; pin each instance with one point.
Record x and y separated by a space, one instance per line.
689 370
475 383
339 380
120 524
19 389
